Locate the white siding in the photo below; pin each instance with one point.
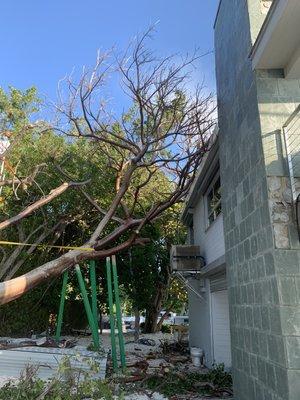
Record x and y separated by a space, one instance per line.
199 320
212 246
210 239
221 328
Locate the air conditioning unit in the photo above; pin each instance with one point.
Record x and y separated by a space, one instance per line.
186 258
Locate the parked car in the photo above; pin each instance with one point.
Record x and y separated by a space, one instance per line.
129 321
181 320
170 319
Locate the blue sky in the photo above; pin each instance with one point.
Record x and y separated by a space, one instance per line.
42 41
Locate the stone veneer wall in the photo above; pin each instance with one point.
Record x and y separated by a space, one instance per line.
262 249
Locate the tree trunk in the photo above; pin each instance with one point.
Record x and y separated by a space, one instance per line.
136 324
151 320
152 313
100 322
161 321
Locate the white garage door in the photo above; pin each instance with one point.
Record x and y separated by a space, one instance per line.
221 328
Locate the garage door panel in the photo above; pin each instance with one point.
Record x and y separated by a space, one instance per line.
221 328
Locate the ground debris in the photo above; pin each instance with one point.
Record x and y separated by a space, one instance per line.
143 365
145 396
175 359
181 347
167 370
6 344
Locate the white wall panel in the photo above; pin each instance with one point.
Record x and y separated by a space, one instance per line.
210 239
221 328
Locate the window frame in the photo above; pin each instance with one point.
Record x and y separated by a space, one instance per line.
218 206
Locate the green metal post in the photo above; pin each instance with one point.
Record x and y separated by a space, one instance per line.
111 315
94 328
94 291
118 312
61 306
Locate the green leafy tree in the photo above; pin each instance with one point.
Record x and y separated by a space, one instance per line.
147 276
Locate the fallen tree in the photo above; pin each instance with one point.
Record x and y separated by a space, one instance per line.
152 151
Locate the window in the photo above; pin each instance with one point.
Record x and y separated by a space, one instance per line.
213 199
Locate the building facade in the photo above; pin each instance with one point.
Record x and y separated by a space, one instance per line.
257 50
209 327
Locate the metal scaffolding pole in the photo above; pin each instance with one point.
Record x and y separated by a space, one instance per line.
111 315
88 310
61 306
118 312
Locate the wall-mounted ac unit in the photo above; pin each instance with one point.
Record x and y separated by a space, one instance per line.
186 258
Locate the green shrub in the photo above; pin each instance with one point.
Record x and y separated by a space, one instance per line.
166 329
56 390
219 377
30 387
211 383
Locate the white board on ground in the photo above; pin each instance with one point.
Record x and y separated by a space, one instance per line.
14 361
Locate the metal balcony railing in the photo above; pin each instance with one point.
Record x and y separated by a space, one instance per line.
291 130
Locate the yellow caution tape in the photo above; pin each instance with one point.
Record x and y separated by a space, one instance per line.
46 246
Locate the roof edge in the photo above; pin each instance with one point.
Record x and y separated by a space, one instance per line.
206 168
218 10
263 28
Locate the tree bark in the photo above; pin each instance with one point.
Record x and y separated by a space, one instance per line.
152 313
162 319
151 320
137 319
100 321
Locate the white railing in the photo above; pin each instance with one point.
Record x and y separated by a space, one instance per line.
291 130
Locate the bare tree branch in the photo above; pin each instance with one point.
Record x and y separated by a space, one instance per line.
39 203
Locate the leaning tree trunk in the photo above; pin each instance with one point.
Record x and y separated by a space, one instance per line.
16 287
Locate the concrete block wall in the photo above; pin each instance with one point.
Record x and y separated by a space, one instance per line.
277 100
262 249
